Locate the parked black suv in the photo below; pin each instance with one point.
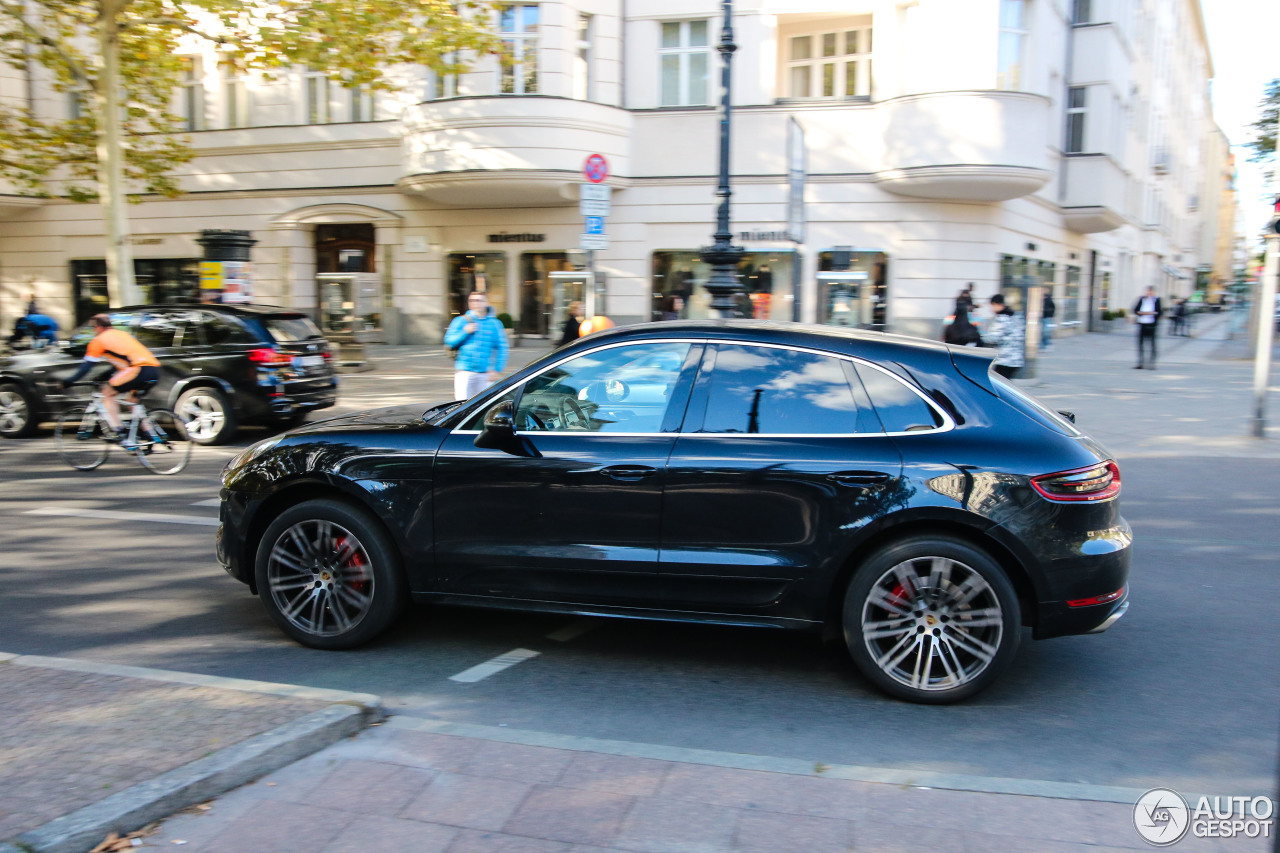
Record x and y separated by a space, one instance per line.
220 366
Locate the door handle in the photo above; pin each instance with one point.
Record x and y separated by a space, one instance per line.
859 478
628 473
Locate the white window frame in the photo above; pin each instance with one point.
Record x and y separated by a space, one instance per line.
316 107
235 98
440 85
1010 70
683 52
191 93
834 54
1075 125
513 73
361 105
583 78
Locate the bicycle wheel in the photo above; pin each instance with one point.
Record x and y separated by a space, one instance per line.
164 445
82 438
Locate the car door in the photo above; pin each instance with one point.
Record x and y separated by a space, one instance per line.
161 330
780 460
573 514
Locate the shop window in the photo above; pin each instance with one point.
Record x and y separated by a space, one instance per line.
853 288
766 277
482 271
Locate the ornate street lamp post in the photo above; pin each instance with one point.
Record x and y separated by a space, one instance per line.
723 255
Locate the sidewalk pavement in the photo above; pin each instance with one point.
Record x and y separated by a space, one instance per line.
88 749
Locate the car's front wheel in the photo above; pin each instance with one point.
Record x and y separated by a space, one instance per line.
329 575
17 412
207 414
931 620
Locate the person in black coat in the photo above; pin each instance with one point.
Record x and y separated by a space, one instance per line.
961 330
572 323
1147 310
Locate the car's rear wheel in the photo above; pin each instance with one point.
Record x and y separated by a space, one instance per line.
329 575
17 412
207 414
931 620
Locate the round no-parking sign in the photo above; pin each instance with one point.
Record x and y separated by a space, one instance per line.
596 168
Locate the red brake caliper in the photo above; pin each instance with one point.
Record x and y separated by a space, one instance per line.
354 562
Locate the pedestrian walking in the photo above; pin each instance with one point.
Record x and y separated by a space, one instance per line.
1009 336
1047 312
481 342
572 323
31 304
1178 319
961 331
1147 311
965 299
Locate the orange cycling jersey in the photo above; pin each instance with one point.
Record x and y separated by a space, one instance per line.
119 348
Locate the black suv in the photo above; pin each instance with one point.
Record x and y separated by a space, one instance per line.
220 366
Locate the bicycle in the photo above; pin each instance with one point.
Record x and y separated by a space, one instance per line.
157 437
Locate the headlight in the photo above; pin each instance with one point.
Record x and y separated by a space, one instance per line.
252 452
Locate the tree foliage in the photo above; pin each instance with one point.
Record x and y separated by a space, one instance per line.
1264 129
356 42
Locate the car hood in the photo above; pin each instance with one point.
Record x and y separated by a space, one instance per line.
387 418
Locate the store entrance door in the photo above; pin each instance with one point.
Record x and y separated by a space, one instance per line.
538 309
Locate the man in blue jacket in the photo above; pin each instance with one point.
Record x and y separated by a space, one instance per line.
481 342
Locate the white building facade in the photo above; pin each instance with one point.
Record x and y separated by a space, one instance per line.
998 142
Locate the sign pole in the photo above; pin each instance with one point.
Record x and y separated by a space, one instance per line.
1266 301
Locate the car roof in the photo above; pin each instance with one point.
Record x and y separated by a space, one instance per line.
239 308
824 337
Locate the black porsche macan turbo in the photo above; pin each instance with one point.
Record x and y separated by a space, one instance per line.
731 472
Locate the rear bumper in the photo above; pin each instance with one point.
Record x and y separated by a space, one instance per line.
1059 619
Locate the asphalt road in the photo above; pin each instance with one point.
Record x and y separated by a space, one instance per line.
1182 692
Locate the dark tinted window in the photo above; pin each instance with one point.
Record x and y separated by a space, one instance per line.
900 409
158 329
83 334
290 329
781 391
218 329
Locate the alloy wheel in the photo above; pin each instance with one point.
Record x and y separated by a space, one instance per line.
15 414
320 578
204 415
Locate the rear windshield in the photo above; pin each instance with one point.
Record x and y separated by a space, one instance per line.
288 330
1030 406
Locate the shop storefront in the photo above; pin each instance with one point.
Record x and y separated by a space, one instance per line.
853 288
534 300
160 281
766 277
1017 274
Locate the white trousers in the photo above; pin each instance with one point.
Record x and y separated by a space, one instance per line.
467 384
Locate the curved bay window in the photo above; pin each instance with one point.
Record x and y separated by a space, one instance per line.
678 291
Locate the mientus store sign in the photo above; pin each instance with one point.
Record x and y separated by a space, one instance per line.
504 237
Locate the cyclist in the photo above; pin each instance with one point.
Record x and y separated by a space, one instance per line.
136 368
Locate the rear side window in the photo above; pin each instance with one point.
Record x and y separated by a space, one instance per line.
217 329
771 391
291 329
900 408
158 329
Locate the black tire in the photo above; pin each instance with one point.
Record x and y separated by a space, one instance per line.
82 438
208 414
164 447
931 619
329 575
18 418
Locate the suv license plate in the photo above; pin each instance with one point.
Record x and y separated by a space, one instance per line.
309 360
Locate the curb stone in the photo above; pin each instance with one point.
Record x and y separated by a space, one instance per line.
204 778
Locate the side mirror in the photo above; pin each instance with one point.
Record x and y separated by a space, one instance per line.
1071 416
499 432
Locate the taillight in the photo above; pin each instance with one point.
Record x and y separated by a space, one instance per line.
1097 599
1096 483
268 356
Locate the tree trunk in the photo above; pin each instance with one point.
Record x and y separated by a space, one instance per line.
122 289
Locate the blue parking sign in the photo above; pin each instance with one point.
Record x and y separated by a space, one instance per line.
594 225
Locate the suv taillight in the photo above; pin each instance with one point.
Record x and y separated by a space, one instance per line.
1096 483
268 356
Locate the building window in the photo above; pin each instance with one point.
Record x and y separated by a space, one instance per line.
518 26
442 84
361 103
1082 12
830 65
235 98
315 89
192 94
1075 119
1013 37
77 103
582 81
685 57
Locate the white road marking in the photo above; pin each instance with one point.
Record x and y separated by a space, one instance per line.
210 502
498 664
117 515
573 630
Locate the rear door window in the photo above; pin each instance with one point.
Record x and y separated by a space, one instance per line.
774 391
291 329
215 329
